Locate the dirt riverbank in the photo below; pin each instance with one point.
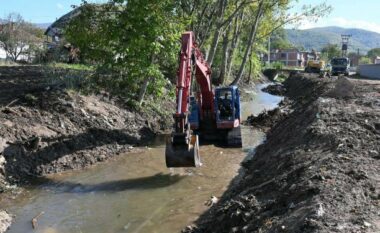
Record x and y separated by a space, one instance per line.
318 170
46 128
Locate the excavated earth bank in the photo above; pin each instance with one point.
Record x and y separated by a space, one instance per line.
319 169
47 129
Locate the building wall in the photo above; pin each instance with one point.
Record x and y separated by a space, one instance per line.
370 71
288 57
3 55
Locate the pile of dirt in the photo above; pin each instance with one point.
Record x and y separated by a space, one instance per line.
275 89
47 129
318 170
266 119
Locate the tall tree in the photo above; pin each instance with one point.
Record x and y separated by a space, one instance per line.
373 53
331 50
135 39
18 36
271 15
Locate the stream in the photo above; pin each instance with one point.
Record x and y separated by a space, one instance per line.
136 192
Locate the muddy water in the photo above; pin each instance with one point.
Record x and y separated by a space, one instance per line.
136 192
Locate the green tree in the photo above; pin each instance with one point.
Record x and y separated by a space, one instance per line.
330 51
279 40
365 60
136 40
373 53
19 37
270 15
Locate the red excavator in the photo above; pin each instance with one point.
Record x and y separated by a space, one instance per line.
202 112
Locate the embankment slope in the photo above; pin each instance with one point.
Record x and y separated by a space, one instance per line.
319 169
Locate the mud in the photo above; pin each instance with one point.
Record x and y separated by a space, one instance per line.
318 170
46 128
275 89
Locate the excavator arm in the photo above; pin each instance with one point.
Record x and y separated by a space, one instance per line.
182 149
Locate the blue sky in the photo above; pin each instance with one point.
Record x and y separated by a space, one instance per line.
39 11
346 13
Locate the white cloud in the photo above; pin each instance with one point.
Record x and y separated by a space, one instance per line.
339 22
60 6
307 23
362 24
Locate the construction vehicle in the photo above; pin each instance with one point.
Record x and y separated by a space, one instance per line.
314 66
340 65
202 112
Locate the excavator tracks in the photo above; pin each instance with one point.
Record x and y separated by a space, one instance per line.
234 137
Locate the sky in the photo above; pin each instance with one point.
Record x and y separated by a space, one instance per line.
346 13
362 14
39 11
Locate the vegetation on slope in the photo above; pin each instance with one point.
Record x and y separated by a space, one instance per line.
317 38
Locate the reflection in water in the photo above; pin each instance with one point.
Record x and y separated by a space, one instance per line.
158 180
136 192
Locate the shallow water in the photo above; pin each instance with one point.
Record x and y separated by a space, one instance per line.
135 192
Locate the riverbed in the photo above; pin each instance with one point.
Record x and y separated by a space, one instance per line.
136 192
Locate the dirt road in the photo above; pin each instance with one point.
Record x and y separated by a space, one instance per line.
318 170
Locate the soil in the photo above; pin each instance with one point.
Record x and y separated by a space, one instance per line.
267 119
275 89
45 128
318 170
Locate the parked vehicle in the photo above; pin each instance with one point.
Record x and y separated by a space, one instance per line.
340 65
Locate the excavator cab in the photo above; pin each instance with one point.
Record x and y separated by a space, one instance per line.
227 106
227 117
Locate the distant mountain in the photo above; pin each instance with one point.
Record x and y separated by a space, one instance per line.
42 25
317 38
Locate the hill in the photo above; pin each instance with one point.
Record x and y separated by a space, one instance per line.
42 25
317 38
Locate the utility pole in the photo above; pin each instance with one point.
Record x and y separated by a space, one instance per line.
345 42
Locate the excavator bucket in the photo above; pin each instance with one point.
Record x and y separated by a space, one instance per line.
183 155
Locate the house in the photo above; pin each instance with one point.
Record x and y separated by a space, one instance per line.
289 57
54 32
3 54
376 60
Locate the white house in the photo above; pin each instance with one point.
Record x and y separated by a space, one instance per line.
3 55
376 60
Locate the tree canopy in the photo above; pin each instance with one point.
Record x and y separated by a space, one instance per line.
139 39
330 51
373 53
18 36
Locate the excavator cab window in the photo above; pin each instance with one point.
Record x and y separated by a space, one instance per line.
225 105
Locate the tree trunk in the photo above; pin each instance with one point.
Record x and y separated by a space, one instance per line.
223 67
144 87
143 91
252 37
218 30
250 68
234 43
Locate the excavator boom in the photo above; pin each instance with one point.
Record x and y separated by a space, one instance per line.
182 149
196 109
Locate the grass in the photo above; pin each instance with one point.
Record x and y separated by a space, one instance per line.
80 67
4 62
71 76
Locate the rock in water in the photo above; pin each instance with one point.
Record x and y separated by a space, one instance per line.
5 221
